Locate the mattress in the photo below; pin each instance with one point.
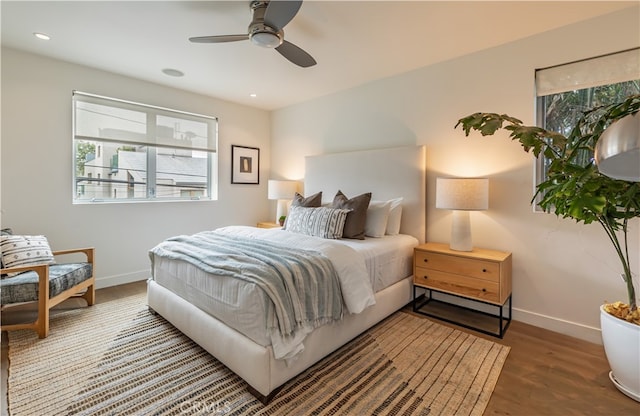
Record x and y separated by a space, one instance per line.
243 306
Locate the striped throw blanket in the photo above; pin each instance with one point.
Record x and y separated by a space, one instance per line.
302 284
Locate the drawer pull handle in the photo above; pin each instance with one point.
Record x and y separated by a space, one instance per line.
426 260
484 290
425 277
484 270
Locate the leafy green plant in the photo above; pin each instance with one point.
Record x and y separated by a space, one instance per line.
574 188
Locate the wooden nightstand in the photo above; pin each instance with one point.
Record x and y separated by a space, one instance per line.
480 275
266 224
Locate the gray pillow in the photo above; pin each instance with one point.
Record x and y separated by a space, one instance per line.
313 201
357 218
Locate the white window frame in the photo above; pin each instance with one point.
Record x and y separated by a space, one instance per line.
152 142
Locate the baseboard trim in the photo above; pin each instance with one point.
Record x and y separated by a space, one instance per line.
121 279
573 329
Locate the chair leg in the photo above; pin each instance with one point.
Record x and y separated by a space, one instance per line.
42 323
90 295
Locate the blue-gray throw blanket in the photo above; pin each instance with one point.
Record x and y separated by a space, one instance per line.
303 285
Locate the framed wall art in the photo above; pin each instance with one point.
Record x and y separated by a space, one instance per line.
245 165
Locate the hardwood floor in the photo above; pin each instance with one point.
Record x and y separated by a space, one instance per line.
546 373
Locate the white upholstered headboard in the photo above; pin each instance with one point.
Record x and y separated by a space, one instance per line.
386 173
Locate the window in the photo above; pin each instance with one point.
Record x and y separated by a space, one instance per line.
127 152
566 91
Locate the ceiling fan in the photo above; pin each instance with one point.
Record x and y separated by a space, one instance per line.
266 30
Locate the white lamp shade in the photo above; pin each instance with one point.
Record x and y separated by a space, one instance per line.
281 189
466 194
617 151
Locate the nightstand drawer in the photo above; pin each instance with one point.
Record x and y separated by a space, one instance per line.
485 290
487 270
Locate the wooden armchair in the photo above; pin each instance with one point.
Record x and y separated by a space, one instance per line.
48 285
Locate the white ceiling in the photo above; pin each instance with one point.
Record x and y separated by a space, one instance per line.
353 41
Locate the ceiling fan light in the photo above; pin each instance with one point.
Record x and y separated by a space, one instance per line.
266 39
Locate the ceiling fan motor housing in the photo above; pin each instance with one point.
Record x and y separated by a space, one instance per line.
260 33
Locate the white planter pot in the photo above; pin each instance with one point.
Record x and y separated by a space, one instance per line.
621 341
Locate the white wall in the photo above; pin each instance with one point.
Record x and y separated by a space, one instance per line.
36 166
562 271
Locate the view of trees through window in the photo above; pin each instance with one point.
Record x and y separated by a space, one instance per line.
560 112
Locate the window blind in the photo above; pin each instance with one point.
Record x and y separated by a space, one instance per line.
602 70
109 119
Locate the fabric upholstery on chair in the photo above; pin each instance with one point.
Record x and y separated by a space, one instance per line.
24 286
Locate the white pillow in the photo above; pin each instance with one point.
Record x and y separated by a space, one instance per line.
395 216
25 250
318 222
377 214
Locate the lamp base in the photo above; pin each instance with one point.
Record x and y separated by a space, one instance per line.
281 209
461 232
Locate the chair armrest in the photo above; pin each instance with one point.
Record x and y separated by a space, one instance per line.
88 251
38 268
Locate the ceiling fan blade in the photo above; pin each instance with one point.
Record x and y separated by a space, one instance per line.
296 54
279 13
219 38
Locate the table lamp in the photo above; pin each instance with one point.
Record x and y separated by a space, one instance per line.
282 191
462 195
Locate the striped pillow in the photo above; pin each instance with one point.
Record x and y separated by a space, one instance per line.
318 222
25 250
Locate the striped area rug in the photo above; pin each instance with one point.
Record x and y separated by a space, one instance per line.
116 358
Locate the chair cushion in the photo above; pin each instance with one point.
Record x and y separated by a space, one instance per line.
24 286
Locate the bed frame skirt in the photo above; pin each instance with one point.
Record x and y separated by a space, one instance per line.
255 363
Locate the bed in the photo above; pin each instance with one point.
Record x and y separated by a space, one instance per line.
231 327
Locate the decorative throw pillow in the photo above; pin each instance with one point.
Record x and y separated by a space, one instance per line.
318 222
395 216
356 219
377 215
312 201
25 250
4 231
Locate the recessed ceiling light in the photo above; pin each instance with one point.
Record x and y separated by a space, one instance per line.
42 36
172 72
253 95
